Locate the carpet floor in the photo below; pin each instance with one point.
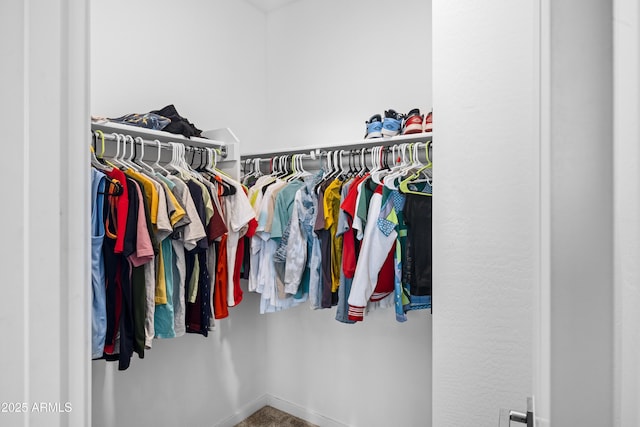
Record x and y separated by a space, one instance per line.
272 417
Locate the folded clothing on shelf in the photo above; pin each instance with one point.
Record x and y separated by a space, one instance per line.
166 119
178 123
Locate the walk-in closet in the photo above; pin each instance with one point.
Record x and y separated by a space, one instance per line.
231 65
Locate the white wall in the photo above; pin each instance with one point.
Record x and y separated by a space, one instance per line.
44 260
486 202
377 373
205 57
627 211
331 65
191 380
208 59
581 177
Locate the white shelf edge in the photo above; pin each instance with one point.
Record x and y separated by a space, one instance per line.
162 136
415 137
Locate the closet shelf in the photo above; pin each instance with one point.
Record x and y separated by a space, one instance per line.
347 145
220 138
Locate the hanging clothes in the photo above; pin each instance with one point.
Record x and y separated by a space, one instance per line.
99 309
341 238
158 240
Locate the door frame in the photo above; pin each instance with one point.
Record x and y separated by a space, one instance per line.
542 288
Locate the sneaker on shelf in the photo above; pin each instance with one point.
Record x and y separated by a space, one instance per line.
392 123
412 122
374 127
428 122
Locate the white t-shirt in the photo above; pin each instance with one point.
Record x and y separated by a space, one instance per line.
238 212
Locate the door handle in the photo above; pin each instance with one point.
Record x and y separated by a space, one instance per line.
507 416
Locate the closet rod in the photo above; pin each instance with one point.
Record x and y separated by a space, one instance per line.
365 143
318 153
96 136
364 152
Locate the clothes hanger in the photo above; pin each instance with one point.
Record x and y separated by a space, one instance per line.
140 160
303 172
116 158
341 169
402 168
186 165
374 160
117 189
256 171
122 157
228 184
193 157
378 174
204 158
350 163
217 152
101 158
405 185
256 167
133 154
127 160
247 170
355 159
95 162
326 169
329 170
173 163
156 166
290 168
336 166
298 167
363 162
284 161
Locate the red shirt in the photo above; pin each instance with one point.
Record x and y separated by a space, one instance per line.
122 207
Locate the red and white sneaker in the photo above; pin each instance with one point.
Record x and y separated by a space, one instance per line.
428 122
412 122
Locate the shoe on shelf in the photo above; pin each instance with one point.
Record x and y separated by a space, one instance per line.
392 123
412 122
428 122
374 127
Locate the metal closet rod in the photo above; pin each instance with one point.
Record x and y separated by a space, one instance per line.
110 136
317 153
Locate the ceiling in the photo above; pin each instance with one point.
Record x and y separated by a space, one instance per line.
269 5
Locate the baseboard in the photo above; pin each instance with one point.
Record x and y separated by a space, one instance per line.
245 411
304 413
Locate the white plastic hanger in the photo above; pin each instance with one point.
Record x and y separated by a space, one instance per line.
303 172
363 160
156 165
116 158
173 163
402 168
128 161
379 172
256 166
140 160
